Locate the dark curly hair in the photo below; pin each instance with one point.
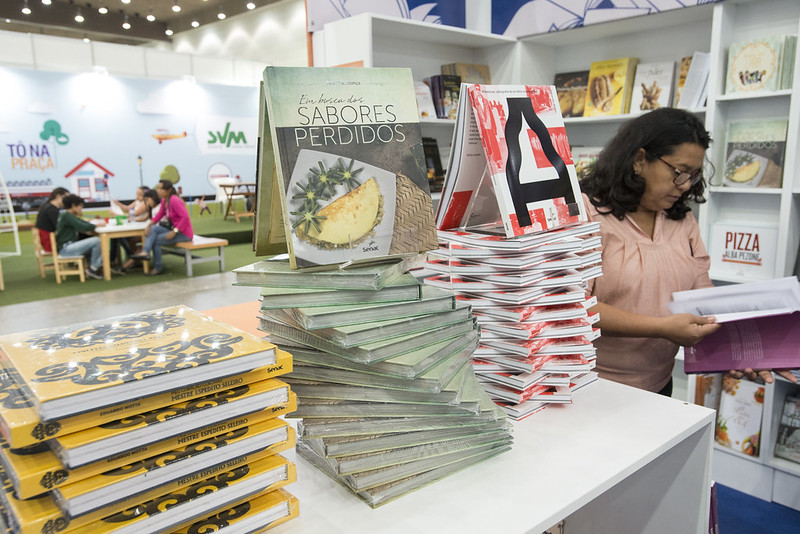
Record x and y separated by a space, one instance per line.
612 186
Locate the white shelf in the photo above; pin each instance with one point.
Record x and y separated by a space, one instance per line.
745 190
792 468
732 279
617 460
737 454
414 30
746 97
449 123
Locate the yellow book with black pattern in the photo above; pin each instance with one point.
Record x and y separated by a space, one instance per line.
256 514
126 434
41 515
173 510
83 367
20 425
36 470
118 484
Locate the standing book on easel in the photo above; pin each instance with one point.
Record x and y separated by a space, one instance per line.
349 164
524 177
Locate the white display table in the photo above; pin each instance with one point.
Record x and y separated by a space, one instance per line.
617 460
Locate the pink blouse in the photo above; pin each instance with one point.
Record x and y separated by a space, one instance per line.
639 276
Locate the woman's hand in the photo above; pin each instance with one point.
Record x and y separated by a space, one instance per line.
170 235
686 329
764 374
147 230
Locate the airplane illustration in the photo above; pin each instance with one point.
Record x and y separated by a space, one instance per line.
163 135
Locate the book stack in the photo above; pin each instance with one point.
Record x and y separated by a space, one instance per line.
148 422
529 299
387 399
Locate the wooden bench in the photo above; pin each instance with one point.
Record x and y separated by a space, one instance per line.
199 242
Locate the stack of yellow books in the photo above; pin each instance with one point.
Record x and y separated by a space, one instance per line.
150 422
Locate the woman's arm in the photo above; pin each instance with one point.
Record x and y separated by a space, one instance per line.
120 205
683 329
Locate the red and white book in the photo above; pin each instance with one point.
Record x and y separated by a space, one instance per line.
550 394
555 312
493 237
581 380
516 257
518 381
580 345
522 410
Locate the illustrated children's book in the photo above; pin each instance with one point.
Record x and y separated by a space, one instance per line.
739 416
349 164
523 180
755 65
610 87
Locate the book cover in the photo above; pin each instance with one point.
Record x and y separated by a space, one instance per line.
571 89
433 163
349 157
755 152
404 288
787 63
451 89
130 433
254 514
278 272
787 445
745 250
707 390
610 87
20 424
754 65
41 514
583 157
528 156
82 367
695 86
469 72
424 100
652 86
84 496
739 417
192 502
682 71
36 470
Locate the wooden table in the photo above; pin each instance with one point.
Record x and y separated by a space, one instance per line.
243 190
114 231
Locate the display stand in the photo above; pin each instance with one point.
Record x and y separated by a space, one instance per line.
618 460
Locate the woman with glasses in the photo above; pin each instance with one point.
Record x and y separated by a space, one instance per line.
639 191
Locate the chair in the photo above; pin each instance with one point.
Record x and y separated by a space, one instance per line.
66 265
40 253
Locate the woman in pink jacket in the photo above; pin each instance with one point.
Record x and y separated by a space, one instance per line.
170 224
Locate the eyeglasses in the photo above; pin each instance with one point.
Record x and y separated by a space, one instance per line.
681 177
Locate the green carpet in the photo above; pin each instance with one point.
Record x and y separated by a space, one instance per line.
23 283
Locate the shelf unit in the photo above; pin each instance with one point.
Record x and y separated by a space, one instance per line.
373 40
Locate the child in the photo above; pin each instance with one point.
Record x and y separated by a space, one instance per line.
68 239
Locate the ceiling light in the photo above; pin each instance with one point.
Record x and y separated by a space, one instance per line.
26 10
86 40
102 9
79 16
251 5
168 31
195 24
125 24
175 7
126 1
47 2
150 17
221 14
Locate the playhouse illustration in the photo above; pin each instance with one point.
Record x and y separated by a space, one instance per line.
89 180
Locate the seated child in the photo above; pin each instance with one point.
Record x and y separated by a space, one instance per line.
68 240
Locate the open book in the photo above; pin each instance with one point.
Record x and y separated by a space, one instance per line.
759 326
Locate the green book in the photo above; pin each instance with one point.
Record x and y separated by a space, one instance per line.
278 273
330 301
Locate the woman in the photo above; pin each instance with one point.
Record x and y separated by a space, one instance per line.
170 224
47 218
639 191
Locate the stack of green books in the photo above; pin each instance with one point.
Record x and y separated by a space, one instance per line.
387 399
103 423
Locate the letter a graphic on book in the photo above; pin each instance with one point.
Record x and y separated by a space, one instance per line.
522 194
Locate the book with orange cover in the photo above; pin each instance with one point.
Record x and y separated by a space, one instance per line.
610 87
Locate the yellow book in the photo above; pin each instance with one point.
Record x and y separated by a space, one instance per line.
78 368
127 434
610 87
20 425
101 490
41 515
36 470
256 514
173 510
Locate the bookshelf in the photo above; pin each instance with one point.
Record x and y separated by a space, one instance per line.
665 36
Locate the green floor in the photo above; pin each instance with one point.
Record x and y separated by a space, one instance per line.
23 283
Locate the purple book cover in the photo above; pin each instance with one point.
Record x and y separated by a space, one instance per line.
762 343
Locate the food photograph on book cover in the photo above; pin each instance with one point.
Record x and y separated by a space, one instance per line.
349 150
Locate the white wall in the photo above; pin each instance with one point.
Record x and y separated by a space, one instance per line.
274 34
